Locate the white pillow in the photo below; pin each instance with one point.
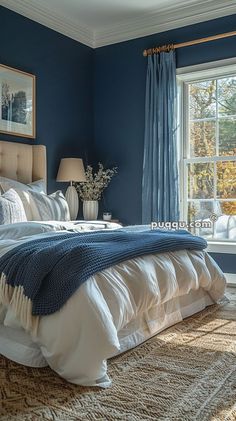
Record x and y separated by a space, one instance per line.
23 192
39 185
50 208
11 208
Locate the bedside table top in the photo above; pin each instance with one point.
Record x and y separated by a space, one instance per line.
99 223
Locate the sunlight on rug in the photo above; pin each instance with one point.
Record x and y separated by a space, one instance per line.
187 372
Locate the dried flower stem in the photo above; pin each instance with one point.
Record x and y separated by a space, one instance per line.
96 182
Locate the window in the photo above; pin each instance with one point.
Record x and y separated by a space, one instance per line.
208 157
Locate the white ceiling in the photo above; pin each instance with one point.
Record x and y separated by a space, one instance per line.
102 22
95 14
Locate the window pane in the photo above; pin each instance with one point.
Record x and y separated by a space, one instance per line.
200 210
226 179
202 138
202 99
228 208
227 136
200 181
227 96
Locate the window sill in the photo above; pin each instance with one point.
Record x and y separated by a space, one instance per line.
227 247
231 279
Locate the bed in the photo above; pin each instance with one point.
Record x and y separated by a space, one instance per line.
114 310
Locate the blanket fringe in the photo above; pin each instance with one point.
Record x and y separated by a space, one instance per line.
21 305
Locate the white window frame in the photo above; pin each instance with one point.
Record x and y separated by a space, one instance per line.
185 76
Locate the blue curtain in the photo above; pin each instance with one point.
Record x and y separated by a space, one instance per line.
160 197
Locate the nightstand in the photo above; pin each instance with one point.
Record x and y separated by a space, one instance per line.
115 221
98 223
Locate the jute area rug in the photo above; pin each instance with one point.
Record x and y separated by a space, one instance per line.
186 373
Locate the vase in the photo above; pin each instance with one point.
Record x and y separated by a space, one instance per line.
90 210
73 202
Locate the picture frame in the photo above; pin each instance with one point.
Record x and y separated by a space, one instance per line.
17 102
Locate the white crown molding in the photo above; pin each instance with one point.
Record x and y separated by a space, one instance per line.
187 13
165 20
55 21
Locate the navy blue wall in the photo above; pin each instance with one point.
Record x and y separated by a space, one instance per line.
120 72
227 262
64 97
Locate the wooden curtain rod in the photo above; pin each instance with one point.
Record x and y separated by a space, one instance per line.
164 48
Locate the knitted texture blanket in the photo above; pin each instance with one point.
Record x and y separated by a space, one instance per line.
39 276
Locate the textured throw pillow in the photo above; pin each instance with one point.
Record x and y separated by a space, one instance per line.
50 208
11 208
23 191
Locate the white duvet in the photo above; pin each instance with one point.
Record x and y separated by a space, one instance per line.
115 309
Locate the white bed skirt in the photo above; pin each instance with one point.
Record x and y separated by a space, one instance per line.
18 346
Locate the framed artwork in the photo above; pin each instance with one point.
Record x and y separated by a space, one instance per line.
17 102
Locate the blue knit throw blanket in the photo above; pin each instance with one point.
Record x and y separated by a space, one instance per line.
52 268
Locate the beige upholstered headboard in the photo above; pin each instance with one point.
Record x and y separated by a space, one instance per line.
25 163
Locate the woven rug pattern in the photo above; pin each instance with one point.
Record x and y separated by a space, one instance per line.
187 372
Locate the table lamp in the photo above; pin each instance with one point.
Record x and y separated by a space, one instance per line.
71 169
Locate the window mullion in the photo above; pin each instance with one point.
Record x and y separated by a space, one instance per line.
217 154
186 122
186 146
211 159
215 185
217 121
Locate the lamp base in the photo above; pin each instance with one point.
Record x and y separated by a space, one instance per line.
73 202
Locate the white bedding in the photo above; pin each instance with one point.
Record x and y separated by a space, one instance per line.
115 309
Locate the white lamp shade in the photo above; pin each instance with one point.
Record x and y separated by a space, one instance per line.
71 169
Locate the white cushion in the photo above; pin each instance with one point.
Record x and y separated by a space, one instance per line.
11 208
50 208
23 191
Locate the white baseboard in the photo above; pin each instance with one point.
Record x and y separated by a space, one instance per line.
231 279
